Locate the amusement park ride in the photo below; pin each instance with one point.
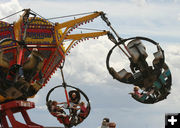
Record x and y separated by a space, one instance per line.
32 49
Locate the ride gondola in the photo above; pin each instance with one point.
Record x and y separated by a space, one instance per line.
74 110
70 113
154 80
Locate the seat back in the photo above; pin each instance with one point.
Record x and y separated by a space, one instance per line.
136 50
8 48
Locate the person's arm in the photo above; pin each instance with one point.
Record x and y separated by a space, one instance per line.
62 103
138 94
73 107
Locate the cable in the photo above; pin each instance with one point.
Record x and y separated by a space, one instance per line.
69 16
38 14
41 16
11 15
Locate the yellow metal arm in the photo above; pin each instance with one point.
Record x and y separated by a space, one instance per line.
61 36
71 23
76 37
86 35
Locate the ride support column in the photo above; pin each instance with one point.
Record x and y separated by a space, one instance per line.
8 109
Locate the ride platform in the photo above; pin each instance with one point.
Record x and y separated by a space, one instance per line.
12 107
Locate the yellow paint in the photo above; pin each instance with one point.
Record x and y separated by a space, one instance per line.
2 98
6 43
39 21
72 23
86 35
76 37
50 40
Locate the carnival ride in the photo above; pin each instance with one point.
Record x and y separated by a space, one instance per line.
32 49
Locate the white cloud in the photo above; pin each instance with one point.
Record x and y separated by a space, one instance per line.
140 2
10 7
179 17
43 107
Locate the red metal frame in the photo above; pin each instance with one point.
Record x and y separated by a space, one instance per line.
8 109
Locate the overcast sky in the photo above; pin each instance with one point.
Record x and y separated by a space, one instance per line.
85 66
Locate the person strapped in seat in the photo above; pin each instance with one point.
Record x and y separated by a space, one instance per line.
159 90
59 112
143 97
33 65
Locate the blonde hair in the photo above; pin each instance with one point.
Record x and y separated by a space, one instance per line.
136 88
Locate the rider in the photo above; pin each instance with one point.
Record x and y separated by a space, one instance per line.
55 108
17 79
136 92
141 96
58 112
83 111
33 65
112 125
105 123
74 98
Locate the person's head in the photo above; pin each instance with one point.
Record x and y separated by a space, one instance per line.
136 88
106 119
105 122
35 49
54 103
73 95
82 103
112 125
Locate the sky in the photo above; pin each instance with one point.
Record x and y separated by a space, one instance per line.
85 67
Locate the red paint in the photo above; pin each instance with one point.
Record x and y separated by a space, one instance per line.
67 98
20 56
10 108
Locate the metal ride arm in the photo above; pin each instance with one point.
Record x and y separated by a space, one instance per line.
76 37
72 24
103 16
111 36
64 83
18 32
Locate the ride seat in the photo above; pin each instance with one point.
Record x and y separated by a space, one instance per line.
136 50
158 57
33 65
3 61
35 61
122 75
